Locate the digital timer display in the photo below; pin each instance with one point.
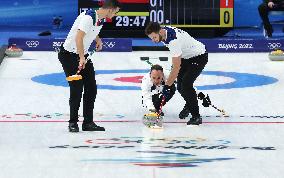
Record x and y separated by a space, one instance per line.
129 21
134 15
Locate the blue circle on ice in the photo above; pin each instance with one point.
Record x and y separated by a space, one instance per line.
240 80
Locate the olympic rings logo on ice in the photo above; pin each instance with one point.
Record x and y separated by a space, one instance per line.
32 44
274 45
110 44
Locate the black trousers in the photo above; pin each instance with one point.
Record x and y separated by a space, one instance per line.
157 98
70 62
263 10
189 71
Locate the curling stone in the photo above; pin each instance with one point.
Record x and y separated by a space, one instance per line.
276 55
14 51
152 119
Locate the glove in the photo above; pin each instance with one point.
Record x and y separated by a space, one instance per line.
200 96
206 101
166 91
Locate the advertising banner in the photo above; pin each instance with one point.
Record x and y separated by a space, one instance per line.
109 44
242 45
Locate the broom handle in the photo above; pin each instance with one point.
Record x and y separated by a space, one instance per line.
161 106
220 110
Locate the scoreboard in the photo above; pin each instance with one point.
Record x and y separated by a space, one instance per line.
193 13
134 15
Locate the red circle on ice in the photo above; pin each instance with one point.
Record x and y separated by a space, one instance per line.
135 79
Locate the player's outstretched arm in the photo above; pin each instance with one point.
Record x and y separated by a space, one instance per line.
176 61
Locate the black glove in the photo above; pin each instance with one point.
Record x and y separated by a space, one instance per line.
166 91
200 96
206 101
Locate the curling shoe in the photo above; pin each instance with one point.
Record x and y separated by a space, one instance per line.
73 127
195 121
184 113
92 127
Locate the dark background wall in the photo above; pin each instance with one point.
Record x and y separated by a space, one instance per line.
41 12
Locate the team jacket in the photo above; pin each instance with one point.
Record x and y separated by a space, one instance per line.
89 23
180 43
149 89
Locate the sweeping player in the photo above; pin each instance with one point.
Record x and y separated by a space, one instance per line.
73 55
189 58
152 87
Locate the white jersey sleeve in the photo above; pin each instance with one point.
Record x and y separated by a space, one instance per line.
180 43
86 23
146 92
175 48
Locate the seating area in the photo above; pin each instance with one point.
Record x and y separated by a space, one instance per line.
277 22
